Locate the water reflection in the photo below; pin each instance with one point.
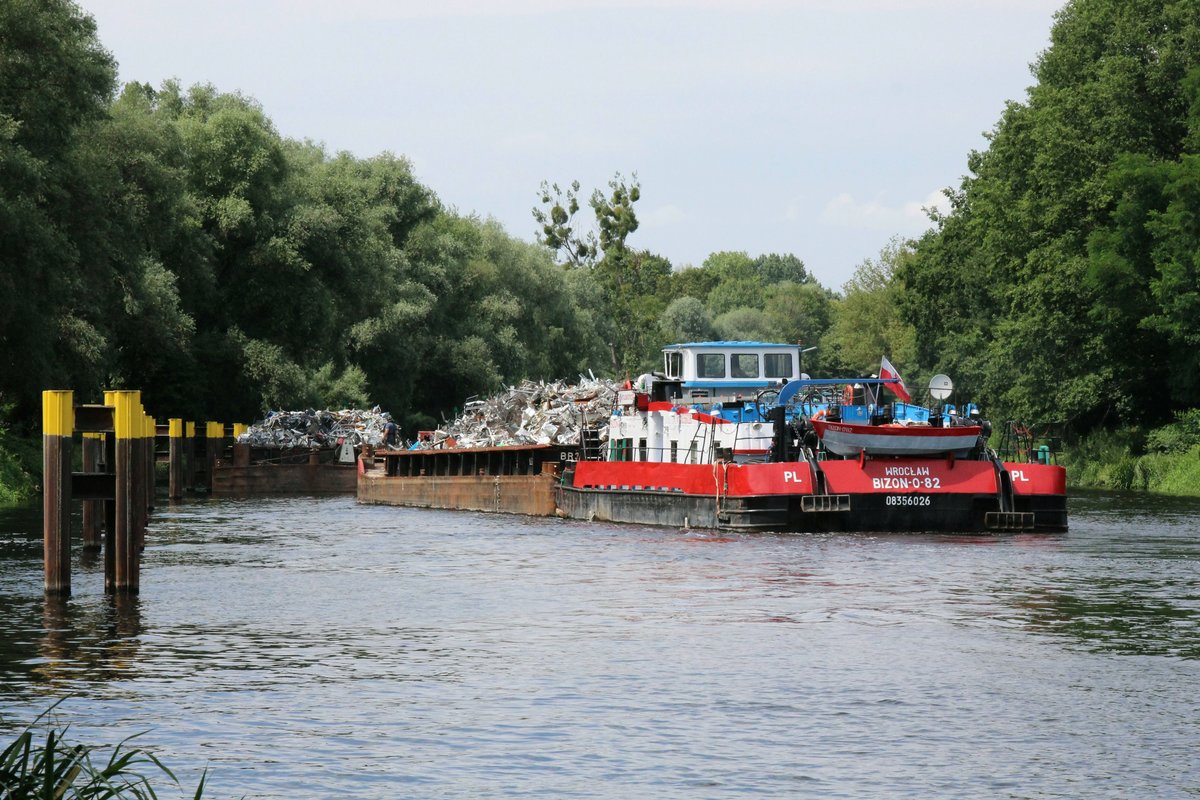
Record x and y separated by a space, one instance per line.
92 643
1117 616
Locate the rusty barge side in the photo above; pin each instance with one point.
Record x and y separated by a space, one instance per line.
515 480
254 472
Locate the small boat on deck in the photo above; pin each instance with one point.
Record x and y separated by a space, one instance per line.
895 439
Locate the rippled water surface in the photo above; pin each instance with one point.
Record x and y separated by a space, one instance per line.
306 648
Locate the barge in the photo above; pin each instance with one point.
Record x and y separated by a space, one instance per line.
255 471
514 480
733 436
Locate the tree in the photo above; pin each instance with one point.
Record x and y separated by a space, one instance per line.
866 321
1038 286
55 84
633 283
773 268
685 320
738 282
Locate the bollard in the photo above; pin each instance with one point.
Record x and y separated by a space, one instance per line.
175 460
124 577
58 425
93 510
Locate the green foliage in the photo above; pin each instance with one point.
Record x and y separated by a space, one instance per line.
685 320
744 324
774 268
19 459
1178 437
41 764
867 322
1117 458
1062 285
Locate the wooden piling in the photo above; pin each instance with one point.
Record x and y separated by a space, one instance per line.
93 510
58 425
110 506
175 460
189 456
125 577
151 463
215 432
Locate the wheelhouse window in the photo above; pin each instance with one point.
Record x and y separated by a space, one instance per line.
674 364
710 365
778 365
744 365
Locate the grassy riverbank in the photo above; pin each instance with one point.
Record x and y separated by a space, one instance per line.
1164 460
20 468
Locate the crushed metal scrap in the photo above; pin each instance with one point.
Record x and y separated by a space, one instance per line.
317 429
536 412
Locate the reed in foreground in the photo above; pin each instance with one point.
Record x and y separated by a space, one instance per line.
33 768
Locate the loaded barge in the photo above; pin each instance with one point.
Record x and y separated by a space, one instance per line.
732 436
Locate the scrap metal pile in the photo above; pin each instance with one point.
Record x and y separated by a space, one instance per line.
316 429
536 412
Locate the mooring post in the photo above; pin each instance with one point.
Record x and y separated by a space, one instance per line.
145 485
189 456
151 463
215 433
110 506
93 510
137 466
175 459
125 576
58 425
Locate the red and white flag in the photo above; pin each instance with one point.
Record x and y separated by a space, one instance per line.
888 372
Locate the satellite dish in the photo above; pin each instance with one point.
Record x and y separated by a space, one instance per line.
940 386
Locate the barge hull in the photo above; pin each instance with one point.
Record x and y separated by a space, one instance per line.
875 512
511 494
283 479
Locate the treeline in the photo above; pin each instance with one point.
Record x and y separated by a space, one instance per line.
1064 284
173 241
170 239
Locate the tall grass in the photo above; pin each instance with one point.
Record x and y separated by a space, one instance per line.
43 765
1165 460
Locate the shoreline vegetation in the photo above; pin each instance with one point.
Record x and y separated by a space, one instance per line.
1163 460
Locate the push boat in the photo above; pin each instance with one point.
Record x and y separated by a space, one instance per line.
733 436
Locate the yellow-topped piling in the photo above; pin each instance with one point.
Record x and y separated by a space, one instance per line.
58 425
58 412
127 424
175 429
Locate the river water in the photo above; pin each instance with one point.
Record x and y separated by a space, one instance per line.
313 648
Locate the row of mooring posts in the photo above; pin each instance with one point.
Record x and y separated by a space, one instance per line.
117 482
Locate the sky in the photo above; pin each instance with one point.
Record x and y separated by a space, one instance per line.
813 127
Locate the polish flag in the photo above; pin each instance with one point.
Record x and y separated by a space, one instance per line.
888 372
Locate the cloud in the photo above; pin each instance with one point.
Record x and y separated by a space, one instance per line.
910 217
416 9
663 217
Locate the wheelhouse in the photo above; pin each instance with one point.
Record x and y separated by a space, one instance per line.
707 372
